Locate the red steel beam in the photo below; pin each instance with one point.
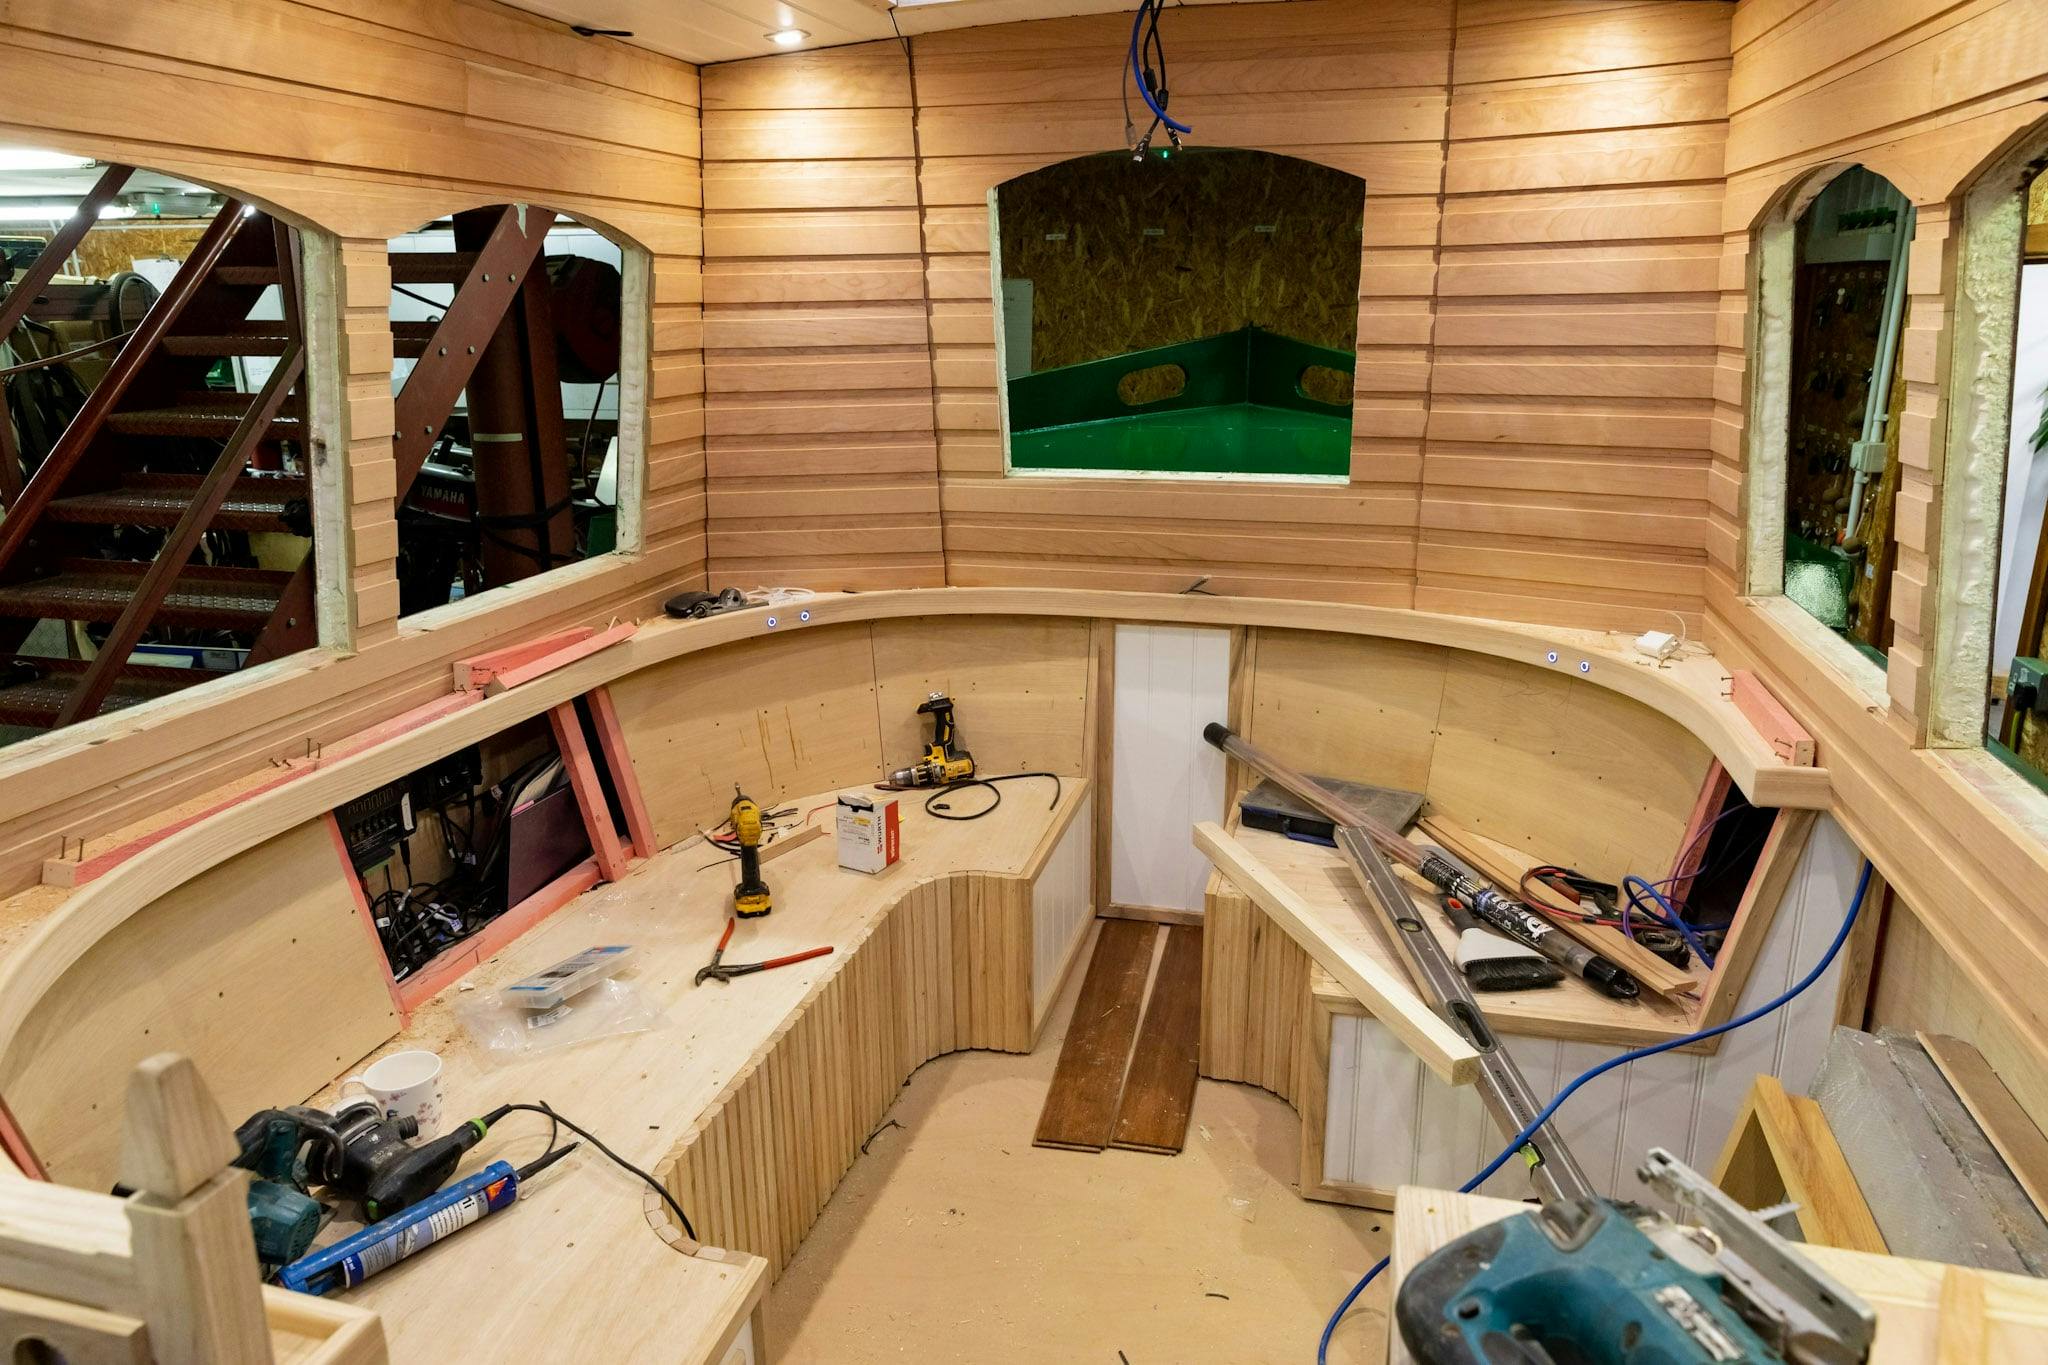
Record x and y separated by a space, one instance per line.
26 514
30 287
98 679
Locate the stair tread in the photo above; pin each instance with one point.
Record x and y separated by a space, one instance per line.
257 502
99 589
207 417
36 701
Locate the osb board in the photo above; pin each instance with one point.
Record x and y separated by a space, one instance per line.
1351 707
780 716
1870 595
1019 687
1836 314
260 970
1123 256
112 248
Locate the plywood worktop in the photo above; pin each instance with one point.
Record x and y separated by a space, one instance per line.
588 1265
1571 1009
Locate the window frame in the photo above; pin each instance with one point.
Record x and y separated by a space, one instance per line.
1772 294
636 349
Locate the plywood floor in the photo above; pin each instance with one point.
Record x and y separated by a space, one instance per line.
955 1239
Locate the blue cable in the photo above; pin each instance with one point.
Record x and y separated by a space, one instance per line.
1636 888
1543 1116
1137 68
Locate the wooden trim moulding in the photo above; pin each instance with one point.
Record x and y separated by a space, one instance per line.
1780 1146
1689 692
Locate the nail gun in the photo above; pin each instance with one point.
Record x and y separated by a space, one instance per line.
1583 1280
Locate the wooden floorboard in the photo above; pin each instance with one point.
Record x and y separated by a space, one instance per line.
1159 1091
1081 1104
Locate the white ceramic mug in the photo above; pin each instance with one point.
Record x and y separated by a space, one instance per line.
406 1085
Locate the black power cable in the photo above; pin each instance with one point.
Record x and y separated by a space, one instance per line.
617 1160
933 807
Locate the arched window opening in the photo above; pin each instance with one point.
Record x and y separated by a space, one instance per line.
2017 718
508 332
1191 312
1849 301
155 460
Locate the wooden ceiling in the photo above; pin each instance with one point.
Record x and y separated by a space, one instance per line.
705 31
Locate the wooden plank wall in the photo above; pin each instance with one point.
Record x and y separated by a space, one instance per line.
363 119
823 465
1925 93
1565 475
1563 150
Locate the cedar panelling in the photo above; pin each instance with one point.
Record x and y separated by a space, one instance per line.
1357 86
1571 396
1923 92
822 462
363 119
1538 301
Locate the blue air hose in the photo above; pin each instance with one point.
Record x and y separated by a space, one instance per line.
1543 1116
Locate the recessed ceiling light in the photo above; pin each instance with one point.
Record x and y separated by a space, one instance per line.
55 213
787 37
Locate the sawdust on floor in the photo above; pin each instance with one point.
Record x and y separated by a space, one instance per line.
955 1239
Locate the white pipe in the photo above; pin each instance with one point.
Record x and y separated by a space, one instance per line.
1878 400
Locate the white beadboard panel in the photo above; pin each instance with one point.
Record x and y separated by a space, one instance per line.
1061 906
1383 1103
1170 682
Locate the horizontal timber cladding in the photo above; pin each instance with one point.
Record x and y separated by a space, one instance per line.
1536 328
823 467
1928 94
362 119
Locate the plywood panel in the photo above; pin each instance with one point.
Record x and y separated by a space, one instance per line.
1564 769
1358 709
262 971
779 717
1019 686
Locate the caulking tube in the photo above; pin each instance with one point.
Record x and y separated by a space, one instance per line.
384 1244
1504 913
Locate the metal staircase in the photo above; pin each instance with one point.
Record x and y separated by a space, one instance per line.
156 468
136 522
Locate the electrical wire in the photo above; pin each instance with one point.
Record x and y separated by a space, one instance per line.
617 1160
1148 8
1516 1143
932 807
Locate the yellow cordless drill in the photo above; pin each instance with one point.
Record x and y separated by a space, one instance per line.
750 898
944 761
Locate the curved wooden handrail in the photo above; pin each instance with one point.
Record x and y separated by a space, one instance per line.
1688 691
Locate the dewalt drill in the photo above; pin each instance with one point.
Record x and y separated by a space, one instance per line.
750 899
945 762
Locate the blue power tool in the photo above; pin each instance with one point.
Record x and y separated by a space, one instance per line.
1581 1280
1599 1282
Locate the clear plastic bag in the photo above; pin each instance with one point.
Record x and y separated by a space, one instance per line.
506 1031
